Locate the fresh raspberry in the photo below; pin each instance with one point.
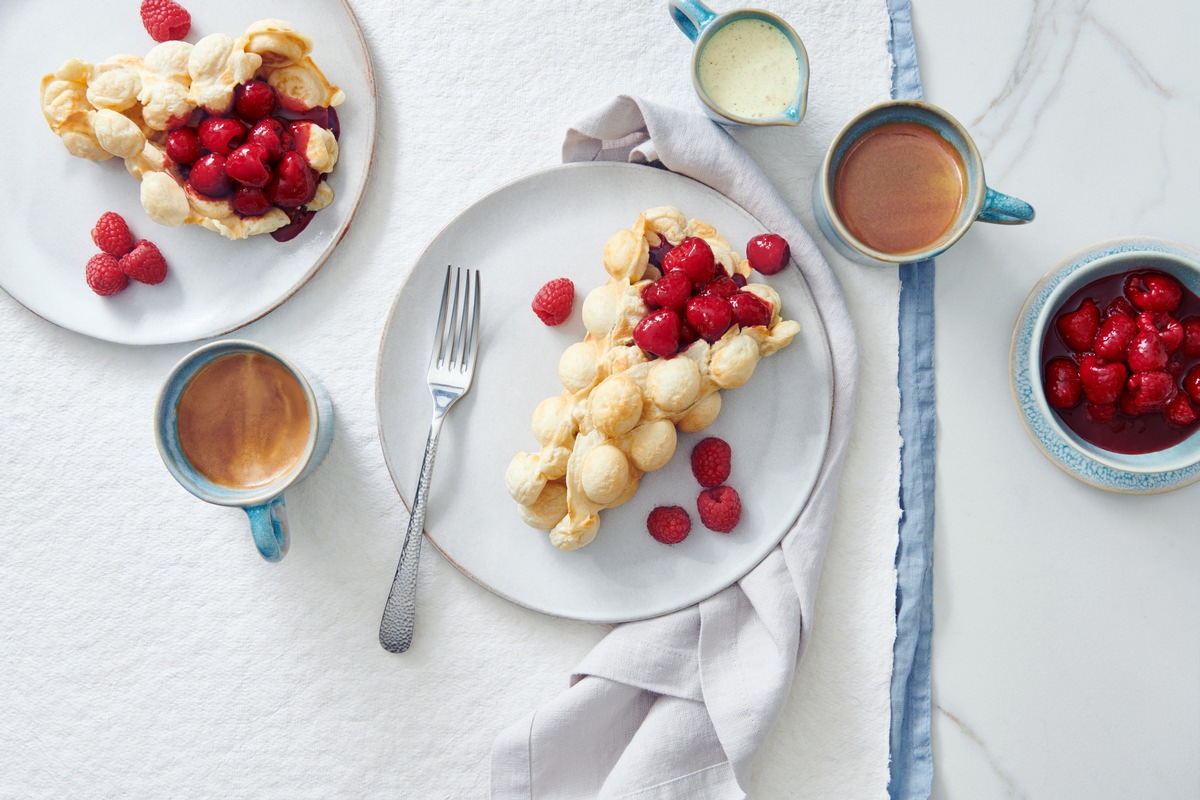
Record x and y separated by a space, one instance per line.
553 302
711 462
145 263
669 524
104 275
165 20
112 235
720 508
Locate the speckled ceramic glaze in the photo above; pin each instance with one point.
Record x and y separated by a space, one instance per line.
699 22
263 505
981 203
1147 473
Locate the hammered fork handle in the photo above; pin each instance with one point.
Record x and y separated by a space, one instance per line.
396 629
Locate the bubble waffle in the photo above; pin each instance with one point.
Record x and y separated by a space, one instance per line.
620 409
125 107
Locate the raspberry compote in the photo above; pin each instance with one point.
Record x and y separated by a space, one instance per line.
1121 362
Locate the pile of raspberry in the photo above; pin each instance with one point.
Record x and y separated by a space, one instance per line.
694 299
719 506
253 156
120 259
1131 358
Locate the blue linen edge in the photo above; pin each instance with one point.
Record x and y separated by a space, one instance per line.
910 746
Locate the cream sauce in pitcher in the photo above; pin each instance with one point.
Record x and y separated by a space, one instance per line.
749 68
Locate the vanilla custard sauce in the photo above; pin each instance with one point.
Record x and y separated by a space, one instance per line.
750 69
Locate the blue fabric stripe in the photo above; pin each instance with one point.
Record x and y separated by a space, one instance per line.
911 750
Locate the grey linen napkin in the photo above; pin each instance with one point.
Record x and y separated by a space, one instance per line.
676 706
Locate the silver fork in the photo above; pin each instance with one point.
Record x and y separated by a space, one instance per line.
451 368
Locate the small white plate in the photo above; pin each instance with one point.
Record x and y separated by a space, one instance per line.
553 224
52 199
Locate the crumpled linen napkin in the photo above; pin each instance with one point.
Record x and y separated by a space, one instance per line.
676 706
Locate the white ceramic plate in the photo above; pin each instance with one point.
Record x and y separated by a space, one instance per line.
553 224
52 199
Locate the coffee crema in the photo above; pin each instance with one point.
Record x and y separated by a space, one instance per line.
243 420
900 187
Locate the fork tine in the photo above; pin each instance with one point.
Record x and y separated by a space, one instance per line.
473 338
462 337
451 342
439 336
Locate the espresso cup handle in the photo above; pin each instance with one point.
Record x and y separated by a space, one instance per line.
1005 209
691 16
269 525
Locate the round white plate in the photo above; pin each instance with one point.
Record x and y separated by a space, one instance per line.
554 224
52 199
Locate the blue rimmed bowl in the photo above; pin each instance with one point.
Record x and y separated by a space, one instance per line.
1146 473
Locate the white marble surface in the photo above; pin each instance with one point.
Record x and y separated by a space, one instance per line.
1066 647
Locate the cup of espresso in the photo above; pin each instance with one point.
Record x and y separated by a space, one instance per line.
237 424
748 66
902 182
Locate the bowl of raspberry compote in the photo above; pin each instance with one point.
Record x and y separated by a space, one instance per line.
1106 365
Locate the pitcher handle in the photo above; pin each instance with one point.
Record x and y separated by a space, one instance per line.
691 16
269 525
1005 209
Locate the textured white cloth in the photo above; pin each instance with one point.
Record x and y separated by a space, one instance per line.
721 670
147 650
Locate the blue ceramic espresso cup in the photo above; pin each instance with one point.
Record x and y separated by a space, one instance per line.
978 201
263 503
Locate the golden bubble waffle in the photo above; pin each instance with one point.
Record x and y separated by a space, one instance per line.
621 407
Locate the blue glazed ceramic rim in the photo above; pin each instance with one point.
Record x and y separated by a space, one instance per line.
1062 448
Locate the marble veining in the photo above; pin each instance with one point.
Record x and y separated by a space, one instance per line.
1013 790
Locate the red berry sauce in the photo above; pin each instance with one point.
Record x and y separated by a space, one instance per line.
1109 426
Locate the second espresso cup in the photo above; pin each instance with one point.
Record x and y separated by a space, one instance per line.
941 132
240 431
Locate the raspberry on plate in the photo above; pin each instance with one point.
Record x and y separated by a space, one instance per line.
165 20
768 253
694 257
711 461
553 302
145 263
112 235
720 508
104 275
658 333
669 524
